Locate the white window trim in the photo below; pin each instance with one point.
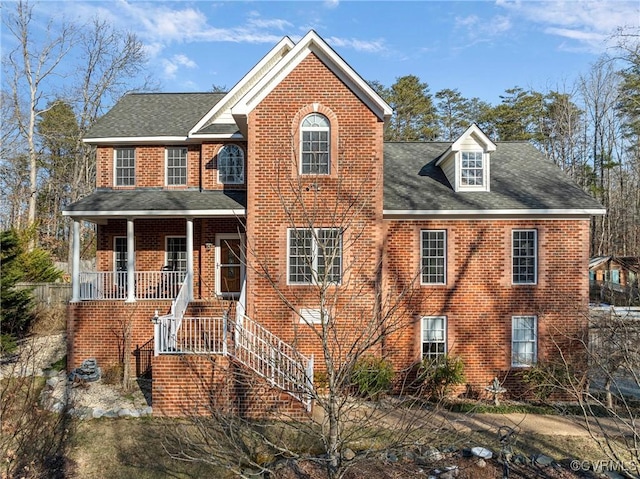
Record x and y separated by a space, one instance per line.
485 171
306 128
314 254
115 165
219 238
244 156
515 364
444 282
166 247
535 257
423 339
166 165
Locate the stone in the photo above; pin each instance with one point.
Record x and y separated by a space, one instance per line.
51 382
348 454
451 472
432 454
391 457
147 411
481 463
98 413
57 407
543 460
481 452
124 412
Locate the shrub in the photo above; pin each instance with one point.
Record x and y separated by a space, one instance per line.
372 376
436 377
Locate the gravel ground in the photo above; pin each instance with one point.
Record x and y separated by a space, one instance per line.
36 355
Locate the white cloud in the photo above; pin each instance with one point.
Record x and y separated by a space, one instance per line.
585 22
171 66
369 46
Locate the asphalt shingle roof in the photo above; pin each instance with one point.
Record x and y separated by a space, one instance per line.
123 201
154 114
521 178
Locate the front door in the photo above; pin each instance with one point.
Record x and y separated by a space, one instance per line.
229 265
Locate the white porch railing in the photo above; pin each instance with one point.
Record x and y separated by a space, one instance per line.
193 336
112 285
254 346
276 361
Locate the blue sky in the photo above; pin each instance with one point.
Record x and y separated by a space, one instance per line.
479 47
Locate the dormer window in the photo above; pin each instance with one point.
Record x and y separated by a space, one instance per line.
471 169
466 163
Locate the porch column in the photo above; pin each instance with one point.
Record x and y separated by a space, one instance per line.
75 263
131 267
190 259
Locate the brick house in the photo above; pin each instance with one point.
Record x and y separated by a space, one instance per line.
220 218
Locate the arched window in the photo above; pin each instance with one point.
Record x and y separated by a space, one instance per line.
315 150
231 165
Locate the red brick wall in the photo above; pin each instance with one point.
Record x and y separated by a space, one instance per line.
350 197
150 167
195 385
479 299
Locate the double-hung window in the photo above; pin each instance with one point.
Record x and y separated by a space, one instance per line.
434 256
125 167
231 165
176 166
315 133
314 255
472 169
525 256
524 347
176 253
434 337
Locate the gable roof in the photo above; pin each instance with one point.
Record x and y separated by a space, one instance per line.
310 43
523 182
159 116
221 112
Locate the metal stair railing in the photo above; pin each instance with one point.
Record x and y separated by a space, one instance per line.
271 358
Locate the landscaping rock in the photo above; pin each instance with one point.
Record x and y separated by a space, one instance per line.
543 460
348 454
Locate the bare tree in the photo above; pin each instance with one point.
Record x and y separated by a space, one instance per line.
29 68
354 316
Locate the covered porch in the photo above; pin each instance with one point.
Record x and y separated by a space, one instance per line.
152 242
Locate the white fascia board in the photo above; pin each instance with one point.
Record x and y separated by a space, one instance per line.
493 214
281 49
156 213
218 136
116 140
311 43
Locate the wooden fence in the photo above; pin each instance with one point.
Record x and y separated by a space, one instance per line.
49 293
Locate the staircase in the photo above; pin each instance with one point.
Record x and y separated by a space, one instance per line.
251 345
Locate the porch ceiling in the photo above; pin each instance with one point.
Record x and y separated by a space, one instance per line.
105 203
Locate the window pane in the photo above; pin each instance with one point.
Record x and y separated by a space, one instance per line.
177 253
523 340
433 337
120 253
231 165
472 166
524 257
433 257
230 266
125 167
300 255
314 145
315 255
176 166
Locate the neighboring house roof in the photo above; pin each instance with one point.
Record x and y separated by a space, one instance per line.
153 115
631 263
157 202
522 182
